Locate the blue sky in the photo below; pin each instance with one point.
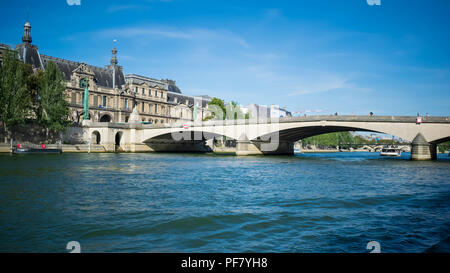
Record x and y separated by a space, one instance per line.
331 56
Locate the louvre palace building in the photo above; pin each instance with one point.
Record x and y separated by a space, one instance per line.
112 94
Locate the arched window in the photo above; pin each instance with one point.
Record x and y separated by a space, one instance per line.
105 118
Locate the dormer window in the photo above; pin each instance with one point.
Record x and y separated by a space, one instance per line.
143 91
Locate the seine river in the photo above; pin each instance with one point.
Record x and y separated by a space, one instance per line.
334 202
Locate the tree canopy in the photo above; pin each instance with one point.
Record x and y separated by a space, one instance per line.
38 97
15 96
53 108
330 139
220 111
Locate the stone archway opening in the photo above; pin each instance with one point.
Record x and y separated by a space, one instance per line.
118 138
96 138
106 118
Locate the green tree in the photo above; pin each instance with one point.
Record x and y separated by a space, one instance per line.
217 108
330 139
53 108
33 83
15 98
444 147
220 111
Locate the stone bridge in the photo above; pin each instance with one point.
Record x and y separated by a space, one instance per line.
266 136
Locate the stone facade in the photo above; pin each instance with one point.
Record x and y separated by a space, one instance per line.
112 94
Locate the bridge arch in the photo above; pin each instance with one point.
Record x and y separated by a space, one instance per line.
295 131
187 135
441 140
295 134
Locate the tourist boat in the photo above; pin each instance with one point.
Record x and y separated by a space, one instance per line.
391 151
43 150
297 150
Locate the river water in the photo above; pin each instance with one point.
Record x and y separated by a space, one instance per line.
334 202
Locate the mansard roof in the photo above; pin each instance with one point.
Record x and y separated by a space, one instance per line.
181 99
138 79
29 54
102 76
173 88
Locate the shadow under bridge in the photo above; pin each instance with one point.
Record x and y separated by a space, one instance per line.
188 141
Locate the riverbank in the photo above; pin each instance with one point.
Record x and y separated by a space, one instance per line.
66 148
98 148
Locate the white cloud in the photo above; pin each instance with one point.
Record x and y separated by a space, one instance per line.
73 2
196 34
319 84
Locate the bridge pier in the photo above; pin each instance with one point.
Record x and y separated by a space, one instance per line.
247 147
433 151
283 148
422 150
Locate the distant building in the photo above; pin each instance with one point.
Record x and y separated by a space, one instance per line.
112 94
263 112
277 112
258 112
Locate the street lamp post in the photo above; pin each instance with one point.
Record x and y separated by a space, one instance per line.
85 83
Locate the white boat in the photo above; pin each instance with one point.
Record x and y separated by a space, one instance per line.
391 151
297 150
